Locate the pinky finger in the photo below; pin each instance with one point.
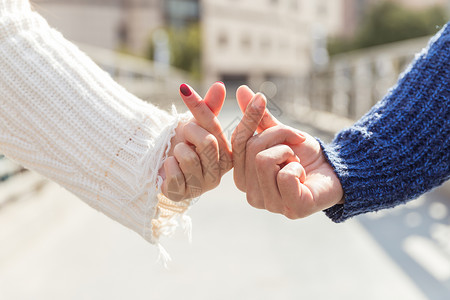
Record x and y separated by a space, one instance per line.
174 186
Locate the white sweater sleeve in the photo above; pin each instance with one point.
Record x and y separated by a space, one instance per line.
65 118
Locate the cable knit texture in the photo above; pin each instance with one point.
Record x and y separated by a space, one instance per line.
401 148
64 117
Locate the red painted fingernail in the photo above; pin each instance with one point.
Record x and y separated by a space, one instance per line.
220 82
185 90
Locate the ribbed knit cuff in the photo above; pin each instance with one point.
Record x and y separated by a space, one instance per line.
401 148
366 186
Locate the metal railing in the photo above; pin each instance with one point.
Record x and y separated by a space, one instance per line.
147 80
349 86
329 99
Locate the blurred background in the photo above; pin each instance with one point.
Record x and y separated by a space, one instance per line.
322 65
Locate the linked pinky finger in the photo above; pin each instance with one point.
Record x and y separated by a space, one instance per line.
174 186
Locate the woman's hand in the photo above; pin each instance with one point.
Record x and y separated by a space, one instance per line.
281 169
200 154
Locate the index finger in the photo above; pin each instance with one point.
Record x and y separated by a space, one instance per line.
244 95
200 110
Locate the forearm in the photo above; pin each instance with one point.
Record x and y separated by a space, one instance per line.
65 118
401 148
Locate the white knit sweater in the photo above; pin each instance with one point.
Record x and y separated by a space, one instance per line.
64 117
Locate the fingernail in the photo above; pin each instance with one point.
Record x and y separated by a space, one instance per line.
301 136
185 90
220 82
259 102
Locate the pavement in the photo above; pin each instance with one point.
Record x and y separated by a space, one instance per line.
53 246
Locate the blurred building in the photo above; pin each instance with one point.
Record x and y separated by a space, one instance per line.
244 41
116 24
179 13
258 40
353 12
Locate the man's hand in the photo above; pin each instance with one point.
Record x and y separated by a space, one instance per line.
281 169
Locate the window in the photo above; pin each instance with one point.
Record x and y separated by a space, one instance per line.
321 8
222 40
294 5
246 42
265 44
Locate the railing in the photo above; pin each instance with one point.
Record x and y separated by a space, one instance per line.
16 182
351 84
147 80
329 99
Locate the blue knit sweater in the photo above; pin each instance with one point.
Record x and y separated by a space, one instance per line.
401 148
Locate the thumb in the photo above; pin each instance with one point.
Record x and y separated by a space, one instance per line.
244 95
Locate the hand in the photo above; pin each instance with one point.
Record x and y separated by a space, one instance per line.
281 169
200 154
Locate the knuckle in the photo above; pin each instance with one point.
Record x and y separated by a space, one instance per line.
284 176
178 147
253 146
273 207
301 214
287 149
175 181
261 158
189 160
198 105
189 126
291 214
260 162
241 187
254 201
209 142
213 184
281 129
264 163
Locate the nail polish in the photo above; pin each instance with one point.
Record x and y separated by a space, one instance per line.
185 90
220 82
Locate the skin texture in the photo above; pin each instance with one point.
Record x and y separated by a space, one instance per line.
280 169
200 154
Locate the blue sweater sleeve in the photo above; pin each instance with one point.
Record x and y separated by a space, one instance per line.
401 148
